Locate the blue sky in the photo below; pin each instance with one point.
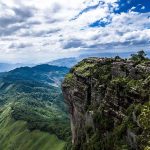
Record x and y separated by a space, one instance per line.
37 32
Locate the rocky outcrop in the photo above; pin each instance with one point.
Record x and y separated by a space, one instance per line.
109 105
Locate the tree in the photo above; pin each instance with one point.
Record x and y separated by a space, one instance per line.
117 57
139 56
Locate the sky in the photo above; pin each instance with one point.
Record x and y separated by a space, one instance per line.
35 31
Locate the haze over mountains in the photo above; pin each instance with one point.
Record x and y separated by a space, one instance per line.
70 61
4 67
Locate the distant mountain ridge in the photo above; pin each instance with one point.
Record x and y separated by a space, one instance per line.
44 73
5 67
65 62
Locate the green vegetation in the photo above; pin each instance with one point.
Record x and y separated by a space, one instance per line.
125 89
118 95
15 135
32 110
140 56
144 120
69 78
144 117
84 69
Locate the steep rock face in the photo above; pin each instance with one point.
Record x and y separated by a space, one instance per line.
109 104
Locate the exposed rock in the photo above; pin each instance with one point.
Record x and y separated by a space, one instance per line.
106 99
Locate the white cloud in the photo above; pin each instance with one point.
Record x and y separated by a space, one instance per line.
50 25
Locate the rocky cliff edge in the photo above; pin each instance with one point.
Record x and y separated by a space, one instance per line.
109 104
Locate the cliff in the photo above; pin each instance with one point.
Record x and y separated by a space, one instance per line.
109 104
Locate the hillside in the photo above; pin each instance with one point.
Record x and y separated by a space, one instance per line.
109 103
52 75
33 114
16 135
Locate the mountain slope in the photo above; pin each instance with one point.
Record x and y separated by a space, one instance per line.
52 75
33 113
109 104
16 135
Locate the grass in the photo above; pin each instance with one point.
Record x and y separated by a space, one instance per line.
84 69
15 135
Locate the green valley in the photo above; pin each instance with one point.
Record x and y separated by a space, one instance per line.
33 114
16 135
